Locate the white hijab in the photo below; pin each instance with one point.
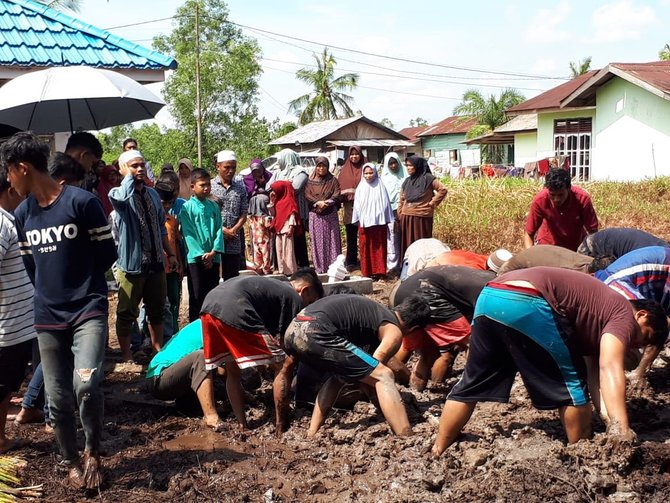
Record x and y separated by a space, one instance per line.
372 205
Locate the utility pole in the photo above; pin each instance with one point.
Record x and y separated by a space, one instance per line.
198 106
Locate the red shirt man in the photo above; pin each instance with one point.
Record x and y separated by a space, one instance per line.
560 214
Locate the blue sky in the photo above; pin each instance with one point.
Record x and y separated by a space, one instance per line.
520 37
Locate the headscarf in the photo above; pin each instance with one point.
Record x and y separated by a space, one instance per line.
285 206
128 156
371 204
185 182
104 186
288 162
250 181
351 174
322 188
415 186
393 181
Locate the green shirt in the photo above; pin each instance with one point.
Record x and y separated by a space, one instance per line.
184 342
202 228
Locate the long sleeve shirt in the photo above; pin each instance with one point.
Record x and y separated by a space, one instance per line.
201 226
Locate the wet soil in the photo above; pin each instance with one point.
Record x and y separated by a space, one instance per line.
509 452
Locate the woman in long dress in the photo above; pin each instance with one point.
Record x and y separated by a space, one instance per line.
393 174
420 194
323 196
259 216
286 225
349 178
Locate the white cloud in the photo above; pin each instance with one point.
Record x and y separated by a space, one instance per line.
622 20
546 26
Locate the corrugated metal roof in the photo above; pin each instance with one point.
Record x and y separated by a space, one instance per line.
553 97
316 131
456 124
372 143
523 122
33 35
412 132
653 76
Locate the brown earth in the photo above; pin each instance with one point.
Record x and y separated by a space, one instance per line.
509 452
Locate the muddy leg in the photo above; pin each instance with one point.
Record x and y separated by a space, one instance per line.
281 387
576 421
235 392
389 399
324 402
455 415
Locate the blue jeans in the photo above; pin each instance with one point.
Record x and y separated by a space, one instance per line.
34 397
72 364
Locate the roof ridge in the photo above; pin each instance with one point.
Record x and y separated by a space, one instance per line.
77 24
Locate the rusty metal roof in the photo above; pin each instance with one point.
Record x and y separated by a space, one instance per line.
316 131
411 132
457 124
553 97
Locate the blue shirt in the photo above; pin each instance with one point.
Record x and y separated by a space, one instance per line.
185 342
67 247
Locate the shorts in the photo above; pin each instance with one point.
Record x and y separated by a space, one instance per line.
326 352
224 344
437 335
13 362
514 332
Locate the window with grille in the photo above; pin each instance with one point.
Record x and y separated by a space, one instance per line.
572 138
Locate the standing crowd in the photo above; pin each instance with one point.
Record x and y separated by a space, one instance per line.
566 313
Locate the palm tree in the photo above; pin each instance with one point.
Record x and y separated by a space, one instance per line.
580 67
490 113
72 5
326 100
664 54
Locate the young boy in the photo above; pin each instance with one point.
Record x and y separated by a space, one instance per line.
67 247
16 318
202 228
173 278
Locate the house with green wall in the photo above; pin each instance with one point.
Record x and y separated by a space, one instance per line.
445 141
613 124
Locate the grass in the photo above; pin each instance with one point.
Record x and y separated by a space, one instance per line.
484 214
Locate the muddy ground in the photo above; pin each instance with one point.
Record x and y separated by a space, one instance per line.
509 452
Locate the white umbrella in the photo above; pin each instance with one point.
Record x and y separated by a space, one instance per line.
73 98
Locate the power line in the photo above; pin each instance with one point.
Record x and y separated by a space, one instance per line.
141 23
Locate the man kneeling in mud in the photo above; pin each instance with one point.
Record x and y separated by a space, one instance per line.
243 325
562 331
353 338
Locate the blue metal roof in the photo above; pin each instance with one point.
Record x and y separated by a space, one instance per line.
32 34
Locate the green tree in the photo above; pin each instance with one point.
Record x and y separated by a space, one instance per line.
229 75
326 100
490 113
387 122
580 67
418 122
664 54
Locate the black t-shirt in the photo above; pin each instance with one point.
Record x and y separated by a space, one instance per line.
617 241
451 290
254 304
352 317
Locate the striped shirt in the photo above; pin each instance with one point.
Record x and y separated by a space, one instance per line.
16 290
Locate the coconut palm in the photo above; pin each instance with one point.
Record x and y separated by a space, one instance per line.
664 54
490 113
326 100
580 67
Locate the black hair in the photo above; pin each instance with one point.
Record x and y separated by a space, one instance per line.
25 147
65 168
4 183
165 191
169 177
127 141
167 167
309 276
656 318
342 289
85 140
600 263
199 174
414 311
557 179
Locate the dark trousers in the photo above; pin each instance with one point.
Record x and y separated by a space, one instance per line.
300 250
352 244
202 281
230 265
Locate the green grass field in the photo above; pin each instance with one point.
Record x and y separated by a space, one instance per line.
484 214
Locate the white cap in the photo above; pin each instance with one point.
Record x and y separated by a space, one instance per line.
497 259
129 155
226 155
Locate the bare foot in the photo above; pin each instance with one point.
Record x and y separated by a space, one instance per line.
75 477
26 416
92 475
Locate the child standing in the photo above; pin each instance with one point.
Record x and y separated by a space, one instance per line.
372 210
259 198
286 224
201 226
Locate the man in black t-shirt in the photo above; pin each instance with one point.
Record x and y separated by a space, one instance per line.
243 325
451 292
353 338
615 242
